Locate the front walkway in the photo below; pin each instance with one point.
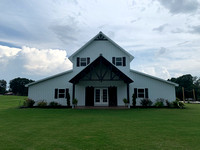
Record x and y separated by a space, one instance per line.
101 107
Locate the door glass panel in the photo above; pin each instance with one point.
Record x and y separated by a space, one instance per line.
105 95
97 95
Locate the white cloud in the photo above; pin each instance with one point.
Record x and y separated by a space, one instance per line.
45 61
35 61
7 53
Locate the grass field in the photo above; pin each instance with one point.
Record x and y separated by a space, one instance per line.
97 129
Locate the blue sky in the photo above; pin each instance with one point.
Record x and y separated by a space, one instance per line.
37 37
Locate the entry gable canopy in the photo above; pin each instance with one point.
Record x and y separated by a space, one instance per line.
99 62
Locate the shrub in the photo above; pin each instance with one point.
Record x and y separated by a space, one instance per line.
125 101
68 99
169 104
29 102
54 104
159 102
146 102
42 104
134 100
181 104
75 102
178 104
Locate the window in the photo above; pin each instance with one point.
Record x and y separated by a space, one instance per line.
141 93
119 61
60 93
84 61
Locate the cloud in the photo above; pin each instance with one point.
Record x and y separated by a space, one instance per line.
180 6
35 61
158 71
160 28
45 61
7 53
161 51
195 29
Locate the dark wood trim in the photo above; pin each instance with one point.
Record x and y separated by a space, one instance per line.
73 95
128 92
101 61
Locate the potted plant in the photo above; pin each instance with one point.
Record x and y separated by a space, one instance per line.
125 102
74 102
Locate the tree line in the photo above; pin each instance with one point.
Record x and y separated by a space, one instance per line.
17 86
190 84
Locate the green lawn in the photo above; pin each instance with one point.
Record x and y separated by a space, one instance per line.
97 129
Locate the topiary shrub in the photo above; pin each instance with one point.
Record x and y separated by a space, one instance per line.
28 102
159 102
133 100
68 99
42 104
146 102
54 104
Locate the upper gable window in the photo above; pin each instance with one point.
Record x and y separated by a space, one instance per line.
119 61
83 61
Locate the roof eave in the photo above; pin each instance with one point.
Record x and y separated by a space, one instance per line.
156 78
32 83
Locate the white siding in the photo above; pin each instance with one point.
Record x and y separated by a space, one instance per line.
156 88
45 90
107 49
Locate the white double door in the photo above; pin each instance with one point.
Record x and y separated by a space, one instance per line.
101 96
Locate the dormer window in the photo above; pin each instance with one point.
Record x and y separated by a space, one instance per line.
83 61
119 61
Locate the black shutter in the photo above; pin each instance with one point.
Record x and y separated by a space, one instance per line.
78 61
66 92
88 60
113 60
124 61
56 94
135 92
146 93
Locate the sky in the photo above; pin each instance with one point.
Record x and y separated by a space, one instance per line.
37 37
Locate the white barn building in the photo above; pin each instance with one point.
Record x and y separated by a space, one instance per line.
101 76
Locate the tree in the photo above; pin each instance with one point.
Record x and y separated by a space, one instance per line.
3 84
189 83
17 86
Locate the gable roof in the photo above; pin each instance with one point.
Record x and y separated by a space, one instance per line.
101 36
156 78
97 62
51 77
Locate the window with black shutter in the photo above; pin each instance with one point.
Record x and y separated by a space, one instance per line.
78 62
56 94
88 60
113 60
124 61
135 92
146 93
